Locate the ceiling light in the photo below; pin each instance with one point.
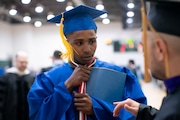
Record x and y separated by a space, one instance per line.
100 5
104 15
130 5
39 9
13 11
60 0
38 24
26 18
106 21
50 15
130 14
69 6
129 20
25 1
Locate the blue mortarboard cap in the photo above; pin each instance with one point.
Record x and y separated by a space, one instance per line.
79 18
164 16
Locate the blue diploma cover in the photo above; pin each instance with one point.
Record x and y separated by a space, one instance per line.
106 84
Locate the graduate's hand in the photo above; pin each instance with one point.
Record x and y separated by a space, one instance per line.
80 74
128 104
83 103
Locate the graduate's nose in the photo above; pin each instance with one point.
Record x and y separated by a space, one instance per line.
87 48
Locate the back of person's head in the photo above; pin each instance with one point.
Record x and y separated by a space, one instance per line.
131 62
21 60
162 41
57 54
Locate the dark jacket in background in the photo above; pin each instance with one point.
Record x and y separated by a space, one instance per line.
13 96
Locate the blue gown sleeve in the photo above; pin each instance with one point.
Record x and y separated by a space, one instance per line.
132 89
45 100
104 111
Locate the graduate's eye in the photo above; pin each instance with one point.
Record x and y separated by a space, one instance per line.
79 43
92 41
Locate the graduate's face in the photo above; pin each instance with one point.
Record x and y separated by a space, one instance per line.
84 42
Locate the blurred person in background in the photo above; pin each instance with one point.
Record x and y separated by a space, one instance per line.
131 65
56 60
135 69
14 86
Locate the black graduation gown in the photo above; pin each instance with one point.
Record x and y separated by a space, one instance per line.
170 108
13 96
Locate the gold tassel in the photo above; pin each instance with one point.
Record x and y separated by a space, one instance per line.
69 50
144 23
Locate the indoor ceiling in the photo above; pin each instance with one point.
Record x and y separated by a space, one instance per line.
117 10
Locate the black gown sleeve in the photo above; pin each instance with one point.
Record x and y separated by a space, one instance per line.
3 87
146 112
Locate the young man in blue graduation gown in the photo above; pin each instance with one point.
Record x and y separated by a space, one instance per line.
164 55
54 94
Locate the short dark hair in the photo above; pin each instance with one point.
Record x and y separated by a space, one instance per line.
132 61
57 54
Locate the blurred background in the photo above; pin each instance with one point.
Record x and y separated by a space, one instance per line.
21 11
23 26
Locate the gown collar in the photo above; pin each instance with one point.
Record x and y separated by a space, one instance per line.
73 64
172 84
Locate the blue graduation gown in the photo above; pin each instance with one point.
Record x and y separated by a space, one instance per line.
49 99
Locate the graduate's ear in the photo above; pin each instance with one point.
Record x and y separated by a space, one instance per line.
160 49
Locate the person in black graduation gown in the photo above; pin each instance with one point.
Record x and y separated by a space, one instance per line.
163 51
14 86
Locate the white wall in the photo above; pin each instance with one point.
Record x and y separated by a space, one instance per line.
41 42
114 31
5 41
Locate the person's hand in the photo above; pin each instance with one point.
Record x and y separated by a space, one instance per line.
80 74
83 103
128 104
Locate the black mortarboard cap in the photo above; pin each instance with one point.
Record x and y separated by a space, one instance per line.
78 18
164 15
